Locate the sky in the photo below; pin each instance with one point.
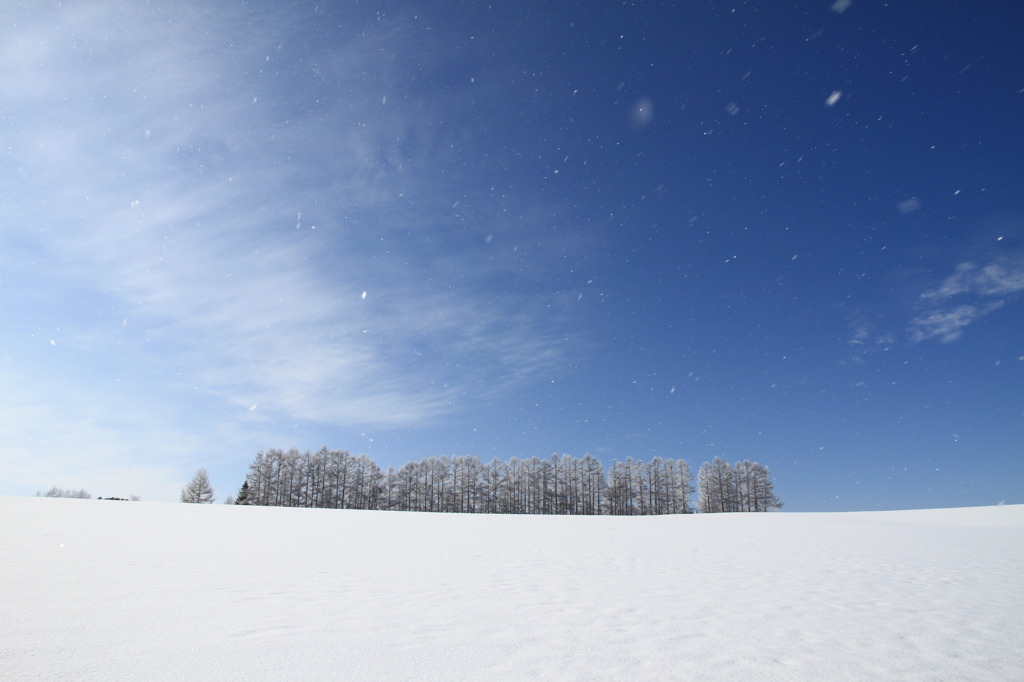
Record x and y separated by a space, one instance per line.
792 234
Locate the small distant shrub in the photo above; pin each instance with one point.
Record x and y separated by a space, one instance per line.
61 492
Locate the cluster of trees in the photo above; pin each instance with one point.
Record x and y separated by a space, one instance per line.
559 485
745 487
81 494
66 492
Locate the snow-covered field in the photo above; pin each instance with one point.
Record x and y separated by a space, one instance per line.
148 591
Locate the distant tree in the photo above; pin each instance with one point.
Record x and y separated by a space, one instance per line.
754 487
706 502
593 485
492 485
243 493
680 483
716 486
762 489
198 490
620 494
747 487
61 492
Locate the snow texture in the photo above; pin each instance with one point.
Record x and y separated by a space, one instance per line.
149 591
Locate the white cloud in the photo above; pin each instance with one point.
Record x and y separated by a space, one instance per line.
861 333
159 170
970 293
840 6
911 205
1001 277
947 324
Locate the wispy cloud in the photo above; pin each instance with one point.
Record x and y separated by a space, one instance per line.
945 309
207 208
998 278
947 324
969 294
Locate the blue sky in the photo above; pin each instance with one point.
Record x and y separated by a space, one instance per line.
792 235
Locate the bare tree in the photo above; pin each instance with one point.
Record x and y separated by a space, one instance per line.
747 487
82 494
716 485
198 490
593 485
762 489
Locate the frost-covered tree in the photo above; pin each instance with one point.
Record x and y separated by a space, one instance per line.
660 488
716 484
755 482
493 487
706 492
747 487
745 492
198 490
680 483
82 494
621 493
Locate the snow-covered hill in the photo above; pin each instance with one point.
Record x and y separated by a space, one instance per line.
148 591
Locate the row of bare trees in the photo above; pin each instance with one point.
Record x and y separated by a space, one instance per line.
331 479
558 485
745 487
81 494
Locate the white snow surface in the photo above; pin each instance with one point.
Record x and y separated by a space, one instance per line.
97 589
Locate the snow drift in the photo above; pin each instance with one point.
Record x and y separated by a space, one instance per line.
120 590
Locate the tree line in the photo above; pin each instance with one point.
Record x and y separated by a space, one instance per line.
745 487
81 494
561 484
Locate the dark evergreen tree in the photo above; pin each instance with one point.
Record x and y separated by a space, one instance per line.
243 493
